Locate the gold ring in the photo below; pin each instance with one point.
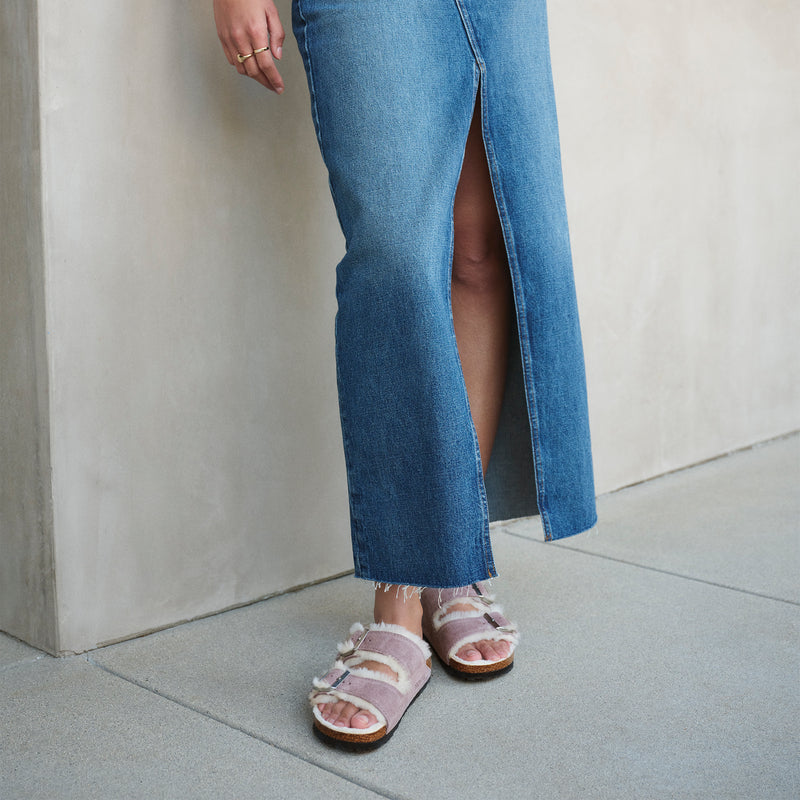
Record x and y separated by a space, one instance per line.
242 58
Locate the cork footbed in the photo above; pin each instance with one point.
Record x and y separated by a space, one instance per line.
347 735
481 670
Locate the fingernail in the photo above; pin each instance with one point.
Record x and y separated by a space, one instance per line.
279 90
278 52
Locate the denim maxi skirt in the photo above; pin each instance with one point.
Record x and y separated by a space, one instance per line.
393 88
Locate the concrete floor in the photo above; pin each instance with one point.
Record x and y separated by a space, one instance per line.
660 659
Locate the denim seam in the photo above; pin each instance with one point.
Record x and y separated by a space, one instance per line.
478 77
523 332
488 556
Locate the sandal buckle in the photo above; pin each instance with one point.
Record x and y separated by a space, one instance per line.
355 646
502 628
340 679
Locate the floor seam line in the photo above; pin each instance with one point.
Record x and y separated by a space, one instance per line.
239 729
657 569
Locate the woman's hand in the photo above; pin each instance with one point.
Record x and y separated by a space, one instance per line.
246 27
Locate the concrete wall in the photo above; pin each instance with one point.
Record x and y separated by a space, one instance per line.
190 249
681 153
27 586
189 245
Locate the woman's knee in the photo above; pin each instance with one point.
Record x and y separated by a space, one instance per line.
480 265
479 254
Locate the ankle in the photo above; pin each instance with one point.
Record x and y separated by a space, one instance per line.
398 607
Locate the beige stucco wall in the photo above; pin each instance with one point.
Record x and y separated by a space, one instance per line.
189 246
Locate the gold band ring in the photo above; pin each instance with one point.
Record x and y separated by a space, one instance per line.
242 58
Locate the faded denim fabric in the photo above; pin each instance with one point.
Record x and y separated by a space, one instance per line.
393 87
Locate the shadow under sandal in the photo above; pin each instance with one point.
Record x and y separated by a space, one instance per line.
385 696
448 630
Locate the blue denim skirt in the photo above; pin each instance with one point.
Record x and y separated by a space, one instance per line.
393 88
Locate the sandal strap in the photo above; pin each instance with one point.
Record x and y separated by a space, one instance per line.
390 647
377 697
479 607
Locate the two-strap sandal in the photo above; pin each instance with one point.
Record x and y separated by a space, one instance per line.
452 618
386 697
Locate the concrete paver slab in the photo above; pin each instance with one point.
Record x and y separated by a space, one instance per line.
734 521
71 730
12 651
629 683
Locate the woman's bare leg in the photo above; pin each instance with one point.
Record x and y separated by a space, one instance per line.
481 291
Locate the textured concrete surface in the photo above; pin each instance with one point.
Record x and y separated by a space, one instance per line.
732 521
12 651
82 733
638 676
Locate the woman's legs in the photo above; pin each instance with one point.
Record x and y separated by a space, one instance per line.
481 291
482 303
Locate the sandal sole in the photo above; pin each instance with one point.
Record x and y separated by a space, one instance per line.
360 744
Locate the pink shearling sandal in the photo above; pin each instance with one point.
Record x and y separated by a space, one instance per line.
384 696
448 630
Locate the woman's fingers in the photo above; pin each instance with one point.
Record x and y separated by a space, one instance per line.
276 33
265 59
251 29
260 65
269 71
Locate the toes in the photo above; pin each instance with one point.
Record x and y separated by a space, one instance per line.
361 720
330 711
485 651
489 651
346 715
495 651
470 653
